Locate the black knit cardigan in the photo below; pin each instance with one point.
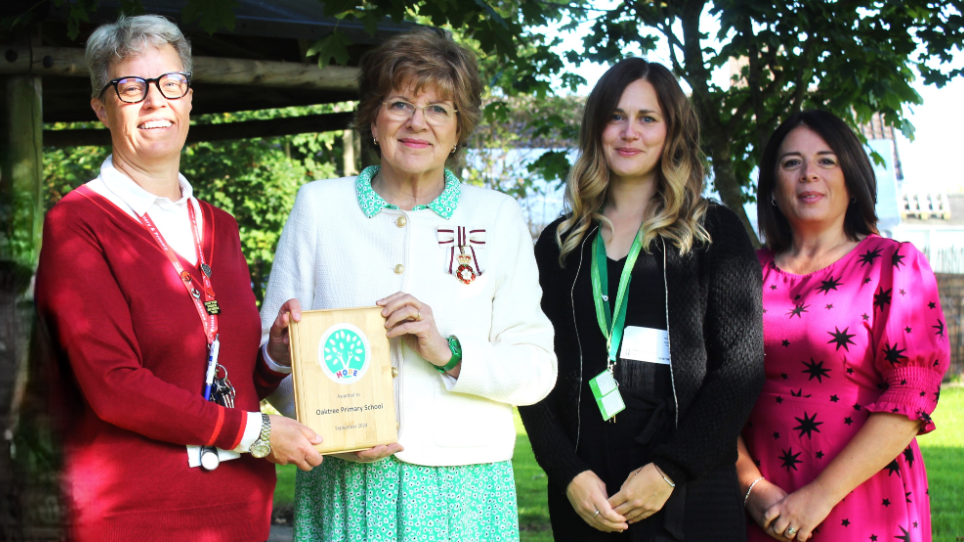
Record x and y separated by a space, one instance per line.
716 348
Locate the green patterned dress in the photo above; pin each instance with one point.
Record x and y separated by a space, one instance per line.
394 501
390 500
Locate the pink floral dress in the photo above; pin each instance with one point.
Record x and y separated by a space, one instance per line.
864 335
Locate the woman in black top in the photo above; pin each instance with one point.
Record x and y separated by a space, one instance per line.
688 355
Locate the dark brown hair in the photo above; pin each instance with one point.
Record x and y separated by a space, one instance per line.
424 56
678 206
859 177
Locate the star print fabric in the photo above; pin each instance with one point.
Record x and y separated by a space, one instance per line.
865 334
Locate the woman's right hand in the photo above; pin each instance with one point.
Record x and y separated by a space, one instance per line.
587 494
292 442
763 495
372 455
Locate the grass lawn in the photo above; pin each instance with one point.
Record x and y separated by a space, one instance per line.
943 453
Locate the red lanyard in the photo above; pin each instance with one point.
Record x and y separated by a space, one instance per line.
208 310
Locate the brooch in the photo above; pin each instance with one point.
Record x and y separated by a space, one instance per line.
461 247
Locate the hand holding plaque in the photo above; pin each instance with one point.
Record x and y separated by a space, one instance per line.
409 318
279 338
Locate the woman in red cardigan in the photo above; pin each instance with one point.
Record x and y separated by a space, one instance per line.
146 295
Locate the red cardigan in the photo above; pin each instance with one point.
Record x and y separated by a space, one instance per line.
131 351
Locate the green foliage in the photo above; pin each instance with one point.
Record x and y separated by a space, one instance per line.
255 180
855 58
523 123
212 15
77 13
332 47
517 59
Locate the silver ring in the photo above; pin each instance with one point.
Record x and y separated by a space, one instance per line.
596 514
791 531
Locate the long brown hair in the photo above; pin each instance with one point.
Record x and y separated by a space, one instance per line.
677 209
859 177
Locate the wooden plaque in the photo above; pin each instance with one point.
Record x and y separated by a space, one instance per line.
342 371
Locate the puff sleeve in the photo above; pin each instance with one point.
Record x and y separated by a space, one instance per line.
912 351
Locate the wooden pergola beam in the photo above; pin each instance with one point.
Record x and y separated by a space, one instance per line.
69 62
327 122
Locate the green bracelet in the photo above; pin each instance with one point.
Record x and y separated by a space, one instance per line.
456 347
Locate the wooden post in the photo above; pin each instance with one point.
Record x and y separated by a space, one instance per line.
21 220
21 170
348 155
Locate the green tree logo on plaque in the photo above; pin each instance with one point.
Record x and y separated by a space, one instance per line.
344 353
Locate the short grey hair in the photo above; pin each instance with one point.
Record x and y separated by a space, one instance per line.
128 37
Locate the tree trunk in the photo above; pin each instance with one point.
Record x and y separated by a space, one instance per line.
715 139
729 187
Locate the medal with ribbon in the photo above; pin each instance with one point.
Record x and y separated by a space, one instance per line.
461 248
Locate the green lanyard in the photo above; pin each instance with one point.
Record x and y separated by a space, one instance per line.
612 329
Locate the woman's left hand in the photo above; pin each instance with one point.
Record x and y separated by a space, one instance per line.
406 316
278 337
642 494
803 510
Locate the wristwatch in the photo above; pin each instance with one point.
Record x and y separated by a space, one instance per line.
262 447
456 348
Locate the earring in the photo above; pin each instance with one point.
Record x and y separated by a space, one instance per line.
455 148
374 141
773 201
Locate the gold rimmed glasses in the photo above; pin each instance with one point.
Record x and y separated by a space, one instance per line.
436 114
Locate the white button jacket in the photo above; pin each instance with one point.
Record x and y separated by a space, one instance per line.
332 256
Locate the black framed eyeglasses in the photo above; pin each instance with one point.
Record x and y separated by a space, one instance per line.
132 90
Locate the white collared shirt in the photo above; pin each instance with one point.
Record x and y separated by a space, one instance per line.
170 217
174 223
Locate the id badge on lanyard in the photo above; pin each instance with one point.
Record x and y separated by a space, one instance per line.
605 388
217 387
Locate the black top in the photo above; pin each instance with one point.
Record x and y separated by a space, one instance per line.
716 349
612 447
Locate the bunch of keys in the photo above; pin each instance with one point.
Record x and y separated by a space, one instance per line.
222 392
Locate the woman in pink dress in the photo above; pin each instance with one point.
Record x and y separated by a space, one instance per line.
855 351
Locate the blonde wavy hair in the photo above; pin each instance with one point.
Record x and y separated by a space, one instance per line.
677 209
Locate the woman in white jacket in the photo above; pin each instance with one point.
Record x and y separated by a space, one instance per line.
453 267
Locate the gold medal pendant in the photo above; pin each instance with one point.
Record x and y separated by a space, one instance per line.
465 273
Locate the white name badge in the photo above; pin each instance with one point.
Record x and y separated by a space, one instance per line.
645 344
